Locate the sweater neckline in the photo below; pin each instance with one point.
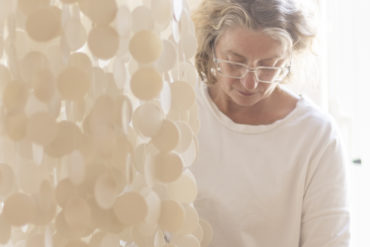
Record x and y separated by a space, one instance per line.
245 128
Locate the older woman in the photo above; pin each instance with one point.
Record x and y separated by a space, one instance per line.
270 171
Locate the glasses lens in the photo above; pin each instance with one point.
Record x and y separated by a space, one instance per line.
270 74
230 69
263 74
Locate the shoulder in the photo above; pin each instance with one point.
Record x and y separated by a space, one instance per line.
319 127
315 117
313 126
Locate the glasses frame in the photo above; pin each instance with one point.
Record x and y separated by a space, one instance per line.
248 69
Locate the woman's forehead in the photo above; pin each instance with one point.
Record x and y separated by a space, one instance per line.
234 54
249 44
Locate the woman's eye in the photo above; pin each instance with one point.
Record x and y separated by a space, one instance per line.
233 66
237 61
266 64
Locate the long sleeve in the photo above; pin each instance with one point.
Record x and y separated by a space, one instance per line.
325 217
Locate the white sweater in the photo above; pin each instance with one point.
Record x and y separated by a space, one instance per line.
276 185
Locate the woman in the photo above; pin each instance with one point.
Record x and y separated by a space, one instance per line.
270 171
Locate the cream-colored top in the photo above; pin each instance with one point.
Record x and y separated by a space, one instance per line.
276 185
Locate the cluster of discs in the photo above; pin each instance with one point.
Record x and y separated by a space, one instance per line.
97 124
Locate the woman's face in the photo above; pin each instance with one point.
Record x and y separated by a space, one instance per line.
252 48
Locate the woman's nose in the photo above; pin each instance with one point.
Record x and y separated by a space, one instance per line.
249 81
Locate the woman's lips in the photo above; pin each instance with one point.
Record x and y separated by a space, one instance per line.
246 93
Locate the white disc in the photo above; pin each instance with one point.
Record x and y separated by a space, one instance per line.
96 238
167 167
123 21
46 206
150 225
187 241
99 12
15 96
111 240
186 136
132 66
75 34
1 46
167 137
106 220
207 232
145 46
121 152
76 167
103 42
56 58
186 24
159 239
106 190
35 240
131 208
21 43
120 72
191 153
103 113
194 119
199 233
44 24
125 106
29 6
68 138
142 240
5 230
142 19
41 128
77 212
172 216
178 8
67 231
7 180
64 190
168 56
58 240
127 234
148 118
76 243
69 1
182 96
45 198
73 83
141 157
32 63
4 77
92 172
30 177
183 189
146 83
19 209
162 12
34 105
44 86
188 44
191 220
80 60
16 126
185 72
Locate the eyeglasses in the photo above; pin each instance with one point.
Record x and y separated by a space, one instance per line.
262 73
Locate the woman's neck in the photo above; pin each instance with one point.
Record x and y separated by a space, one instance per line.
280 103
